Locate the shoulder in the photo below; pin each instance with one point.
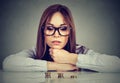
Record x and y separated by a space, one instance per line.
80 49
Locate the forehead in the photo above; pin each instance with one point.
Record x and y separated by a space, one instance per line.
57 19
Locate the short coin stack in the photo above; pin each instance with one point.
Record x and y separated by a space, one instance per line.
60 75
48 75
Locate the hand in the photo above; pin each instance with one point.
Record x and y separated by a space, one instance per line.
63 56
66 67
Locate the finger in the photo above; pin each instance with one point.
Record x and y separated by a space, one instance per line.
52 56
50 49
50 53
76 68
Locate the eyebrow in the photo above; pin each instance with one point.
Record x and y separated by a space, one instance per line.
53 25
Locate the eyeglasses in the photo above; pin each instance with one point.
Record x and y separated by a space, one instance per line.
62 30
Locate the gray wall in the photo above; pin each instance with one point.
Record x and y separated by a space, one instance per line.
97 24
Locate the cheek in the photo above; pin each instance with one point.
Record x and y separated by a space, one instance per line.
47 40
65 40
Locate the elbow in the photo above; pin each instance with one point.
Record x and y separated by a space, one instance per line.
8 64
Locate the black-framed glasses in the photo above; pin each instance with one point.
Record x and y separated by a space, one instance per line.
62 30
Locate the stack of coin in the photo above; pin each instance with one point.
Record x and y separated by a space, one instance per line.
73 76
60 75
47 75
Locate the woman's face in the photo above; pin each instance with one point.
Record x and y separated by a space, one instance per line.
56 40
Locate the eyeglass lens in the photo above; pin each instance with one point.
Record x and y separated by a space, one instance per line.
62 30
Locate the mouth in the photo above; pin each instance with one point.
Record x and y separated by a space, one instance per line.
56 42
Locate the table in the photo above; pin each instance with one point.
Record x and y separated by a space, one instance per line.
68 77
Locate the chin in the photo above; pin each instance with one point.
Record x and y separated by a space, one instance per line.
57 47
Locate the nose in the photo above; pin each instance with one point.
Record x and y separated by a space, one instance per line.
56 34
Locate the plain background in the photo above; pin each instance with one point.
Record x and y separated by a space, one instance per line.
97 24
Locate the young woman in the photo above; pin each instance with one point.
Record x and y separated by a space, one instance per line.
56 48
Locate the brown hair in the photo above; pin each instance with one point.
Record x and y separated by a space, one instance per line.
46 16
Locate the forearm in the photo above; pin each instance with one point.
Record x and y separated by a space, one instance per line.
51 66
22 62
60 66
99 62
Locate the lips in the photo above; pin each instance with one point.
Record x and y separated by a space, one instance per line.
56 42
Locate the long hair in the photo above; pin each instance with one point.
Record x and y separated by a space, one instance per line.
41 46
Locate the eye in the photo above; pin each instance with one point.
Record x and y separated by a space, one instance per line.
64 28
50 28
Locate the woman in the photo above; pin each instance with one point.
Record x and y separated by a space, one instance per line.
56 48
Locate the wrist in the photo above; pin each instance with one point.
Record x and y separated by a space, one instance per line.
51 65
54 66
74 58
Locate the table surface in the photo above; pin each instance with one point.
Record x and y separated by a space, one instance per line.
40 77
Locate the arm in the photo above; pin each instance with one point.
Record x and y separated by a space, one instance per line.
60 66
91 60
23 61
98 62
